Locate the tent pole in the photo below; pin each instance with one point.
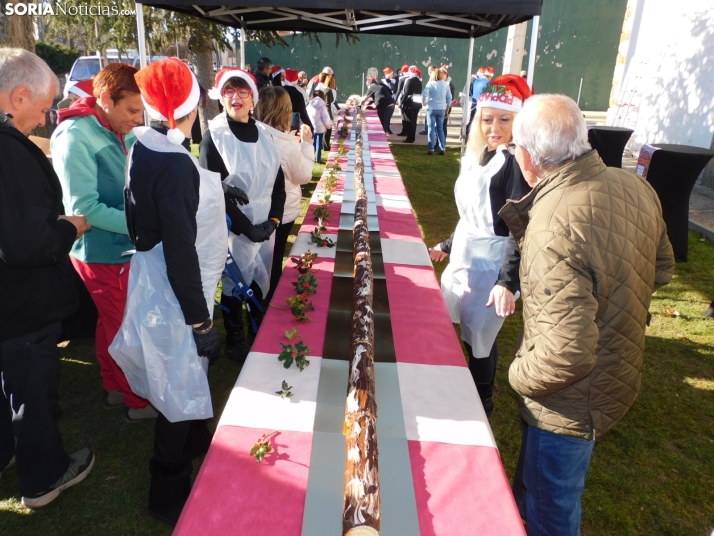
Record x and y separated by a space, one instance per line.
466 106
533 47
242 43
140 34
140 37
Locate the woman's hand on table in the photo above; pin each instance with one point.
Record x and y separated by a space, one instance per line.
436 253
503 299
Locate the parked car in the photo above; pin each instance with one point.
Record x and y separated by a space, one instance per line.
84 68
137 60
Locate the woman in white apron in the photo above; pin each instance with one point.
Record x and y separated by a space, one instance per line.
483 268
176 218
242 151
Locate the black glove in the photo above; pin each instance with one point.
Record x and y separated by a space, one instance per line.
269 226
233 192
257 234
207 344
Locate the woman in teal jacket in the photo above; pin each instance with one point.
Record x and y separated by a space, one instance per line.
89 151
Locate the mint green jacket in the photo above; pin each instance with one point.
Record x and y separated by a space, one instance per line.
89 161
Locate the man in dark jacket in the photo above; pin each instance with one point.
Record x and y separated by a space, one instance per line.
36 287
411 102
262 72
383 100
288 80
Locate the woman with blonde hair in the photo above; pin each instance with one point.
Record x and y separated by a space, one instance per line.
328 85
297 158
436 97
483 270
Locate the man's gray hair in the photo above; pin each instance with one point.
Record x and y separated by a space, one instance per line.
18 67
552 129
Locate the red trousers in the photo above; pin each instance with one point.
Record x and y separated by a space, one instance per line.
107 284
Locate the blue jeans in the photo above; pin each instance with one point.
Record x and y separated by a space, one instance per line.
435 122
317 144
549 481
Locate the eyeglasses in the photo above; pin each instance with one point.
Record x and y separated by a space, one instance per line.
231 92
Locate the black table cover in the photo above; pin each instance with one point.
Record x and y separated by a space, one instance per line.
672 173
610 143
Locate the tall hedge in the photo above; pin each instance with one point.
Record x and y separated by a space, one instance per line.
60 58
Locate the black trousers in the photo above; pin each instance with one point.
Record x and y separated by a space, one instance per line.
326 140
276 270
175 443
483 372
410 121
29 409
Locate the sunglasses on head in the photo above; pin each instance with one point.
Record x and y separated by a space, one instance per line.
231 92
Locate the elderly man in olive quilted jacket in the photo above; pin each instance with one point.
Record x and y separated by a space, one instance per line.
594 248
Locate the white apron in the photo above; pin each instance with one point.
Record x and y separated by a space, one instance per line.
154 347
476 258
251 167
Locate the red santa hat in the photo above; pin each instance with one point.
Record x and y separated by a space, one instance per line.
506 92
445 67
169 90
404 69
291 76
488 71
387 71
413 69
85 88
276 70
224 75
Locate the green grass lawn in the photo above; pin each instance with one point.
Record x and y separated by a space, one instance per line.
652 475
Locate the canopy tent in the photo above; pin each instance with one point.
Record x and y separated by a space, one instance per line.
428 18
419 18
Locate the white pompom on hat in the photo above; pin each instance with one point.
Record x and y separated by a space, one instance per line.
224 75
169 91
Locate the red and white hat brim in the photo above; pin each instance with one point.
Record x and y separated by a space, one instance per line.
184 109
500 101
79 92
215 92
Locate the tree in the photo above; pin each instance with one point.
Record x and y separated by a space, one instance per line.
16 31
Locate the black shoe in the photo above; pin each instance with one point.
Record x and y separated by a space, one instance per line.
237 347
430 153
80 464
169 491
402 134
409 141
442 153
423 133
390 133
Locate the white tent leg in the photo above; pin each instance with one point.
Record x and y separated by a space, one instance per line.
140 36
466 102
533 48
242 44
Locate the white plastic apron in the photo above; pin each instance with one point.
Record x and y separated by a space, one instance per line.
154 347
476 258
251 167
